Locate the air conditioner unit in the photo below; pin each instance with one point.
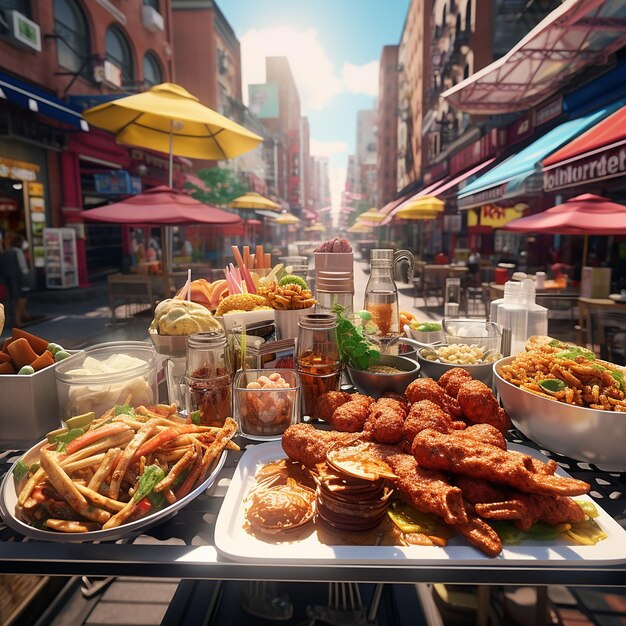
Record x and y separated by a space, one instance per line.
21 31
152 19
108 72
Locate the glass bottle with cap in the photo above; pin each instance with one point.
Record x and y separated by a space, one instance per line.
381 293
208 378
317 358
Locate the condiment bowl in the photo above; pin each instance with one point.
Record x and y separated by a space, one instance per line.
436 369
581 433
375 384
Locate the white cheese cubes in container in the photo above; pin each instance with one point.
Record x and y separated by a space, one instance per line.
107 374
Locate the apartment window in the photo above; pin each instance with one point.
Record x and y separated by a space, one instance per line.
23 6
152 3
70 27
152 73
118 52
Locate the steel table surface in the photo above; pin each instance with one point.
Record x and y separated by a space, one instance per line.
183 547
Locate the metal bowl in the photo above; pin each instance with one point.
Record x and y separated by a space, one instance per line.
436 369
580 433
373 384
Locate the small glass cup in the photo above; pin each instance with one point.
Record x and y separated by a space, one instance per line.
265 407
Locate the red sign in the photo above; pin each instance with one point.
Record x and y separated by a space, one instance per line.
608 163
473 154
520 129
435 173
550 110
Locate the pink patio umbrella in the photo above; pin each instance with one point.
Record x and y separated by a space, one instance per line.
162 206
586 215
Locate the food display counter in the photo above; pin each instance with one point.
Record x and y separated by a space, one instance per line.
184 546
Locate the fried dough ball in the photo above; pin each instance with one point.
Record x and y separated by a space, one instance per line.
385 422
480 406
428 389
350 417
426 414
328 402
363 399
400 397
452 380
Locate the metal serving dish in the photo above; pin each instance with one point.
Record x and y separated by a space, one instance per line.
436 369
373 384
580 433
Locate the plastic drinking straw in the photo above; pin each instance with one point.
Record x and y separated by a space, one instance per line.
246 255
237 256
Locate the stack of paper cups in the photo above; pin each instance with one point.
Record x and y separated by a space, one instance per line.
334 279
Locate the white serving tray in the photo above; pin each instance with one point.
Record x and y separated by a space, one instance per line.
233 542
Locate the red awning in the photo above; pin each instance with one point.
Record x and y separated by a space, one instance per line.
578 34
609 131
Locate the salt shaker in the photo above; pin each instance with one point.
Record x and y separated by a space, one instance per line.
208 378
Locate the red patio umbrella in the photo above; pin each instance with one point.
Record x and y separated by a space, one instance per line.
586 215
162 206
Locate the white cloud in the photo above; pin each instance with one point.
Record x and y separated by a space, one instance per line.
328 148
310 65
361 78
316 78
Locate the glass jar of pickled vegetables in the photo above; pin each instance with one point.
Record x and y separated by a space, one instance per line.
317 358
208 379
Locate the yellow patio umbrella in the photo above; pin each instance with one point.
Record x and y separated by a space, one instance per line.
253 200
359 228
371 215
169 119
426 208
316 228
287 219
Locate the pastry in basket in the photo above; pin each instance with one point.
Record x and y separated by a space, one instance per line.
181 317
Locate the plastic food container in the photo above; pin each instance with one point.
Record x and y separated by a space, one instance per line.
263 411
105 375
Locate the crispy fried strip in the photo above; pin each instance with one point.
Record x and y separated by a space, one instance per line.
166 484
169 496
36 478
83 463
140 437
105 468
481 535
104 444
71 526
100 500
68 490
221 439
121 516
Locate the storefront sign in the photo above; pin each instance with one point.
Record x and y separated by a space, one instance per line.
435 173
494 215
19 170
608 163
482 197
473 154
548 111
520 129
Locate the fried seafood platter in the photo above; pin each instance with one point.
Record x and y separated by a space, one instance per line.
114 475
427 470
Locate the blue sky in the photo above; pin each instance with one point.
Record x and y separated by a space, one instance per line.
333 47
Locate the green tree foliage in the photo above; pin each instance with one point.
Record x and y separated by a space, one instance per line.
222 186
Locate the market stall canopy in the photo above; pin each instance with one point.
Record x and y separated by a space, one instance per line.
586 215
253 200
286 218
371 215
161 206
418 208
577 34
359 227
169 119
521 173
316 228
595 155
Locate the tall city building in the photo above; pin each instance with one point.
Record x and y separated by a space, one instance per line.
365 158
387 124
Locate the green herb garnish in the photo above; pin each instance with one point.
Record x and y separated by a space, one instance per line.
355 347
195 417
429 327
124 409
552 385
34 467
574 353
20 470
555 343
619 379
151 477
63 440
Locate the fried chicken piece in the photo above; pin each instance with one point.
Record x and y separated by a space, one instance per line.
309 445
428 389
328 402
385 422
480 406
457 453
497 502
426 490
489 434
350 417
363 399
400 397
480 534
452 380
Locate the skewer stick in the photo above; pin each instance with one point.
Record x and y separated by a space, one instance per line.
237 255
267 260
246 255
259 256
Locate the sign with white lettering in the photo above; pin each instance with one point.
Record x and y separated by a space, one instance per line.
601 165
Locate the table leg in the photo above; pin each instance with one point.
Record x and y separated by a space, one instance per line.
484 605
541 607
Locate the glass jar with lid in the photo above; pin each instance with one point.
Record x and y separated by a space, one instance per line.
317 358
208 378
